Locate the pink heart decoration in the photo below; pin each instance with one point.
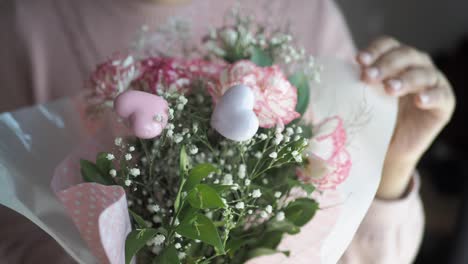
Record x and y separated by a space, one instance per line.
147 113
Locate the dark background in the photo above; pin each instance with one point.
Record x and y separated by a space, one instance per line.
440 28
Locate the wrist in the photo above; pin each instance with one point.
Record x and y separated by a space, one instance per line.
396 176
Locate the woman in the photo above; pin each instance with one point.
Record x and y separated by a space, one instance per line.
51 46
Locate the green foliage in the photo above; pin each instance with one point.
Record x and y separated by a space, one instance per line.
187 211
197 174
301 82
301 211
91 173
139 221
136 240
202 228
264 252
308 188
269 240
167 256
184 165
103 163
219 188
283 226
261 57
203 196
184 162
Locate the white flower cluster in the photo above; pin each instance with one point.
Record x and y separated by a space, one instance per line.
256 193
284 49
180 129
281 140
151 171
225 41
170 39
123 156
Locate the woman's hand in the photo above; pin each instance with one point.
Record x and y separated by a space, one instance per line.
426 104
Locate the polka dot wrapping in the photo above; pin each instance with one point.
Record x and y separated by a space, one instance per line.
100 213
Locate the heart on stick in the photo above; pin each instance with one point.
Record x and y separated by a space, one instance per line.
233 116
147 113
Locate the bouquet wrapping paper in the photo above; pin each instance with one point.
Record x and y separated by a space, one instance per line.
39 145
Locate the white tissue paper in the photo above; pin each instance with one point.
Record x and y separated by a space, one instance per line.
34 141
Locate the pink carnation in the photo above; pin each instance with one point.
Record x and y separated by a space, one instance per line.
169 74
113 77
275 97
329 162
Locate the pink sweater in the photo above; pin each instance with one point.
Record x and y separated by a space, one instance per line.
49 47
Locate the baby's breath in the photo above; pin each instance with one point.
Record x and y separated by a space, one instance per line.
250 180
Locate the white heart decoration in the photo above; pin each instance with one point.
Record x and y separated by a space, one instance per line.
233 116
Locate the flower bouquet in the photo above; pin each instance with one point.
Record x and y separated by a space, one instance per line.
216 159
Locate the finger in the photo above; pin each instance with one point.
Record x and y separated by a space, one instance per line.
376 49
395 61
412 80
439 98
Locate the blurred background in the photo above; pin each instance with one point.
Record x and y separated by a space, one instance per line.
440 28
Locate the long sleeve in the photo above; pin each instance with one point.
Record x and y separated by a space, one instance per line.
328 35
391 231
14 68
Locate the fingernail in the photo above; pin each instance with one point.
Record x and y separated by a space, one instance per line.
365 58
395 84
372 73
424 98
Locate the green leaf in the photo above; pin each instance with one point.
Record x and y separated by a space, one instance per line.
283 226
205 197
309 188
261 57
234 244
179 194
187 212
307 130
167 256
184 162
136 240
197 174
104 165
220 188
264 252
138 219
301 211
202 228
270 240
91 173
300 81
